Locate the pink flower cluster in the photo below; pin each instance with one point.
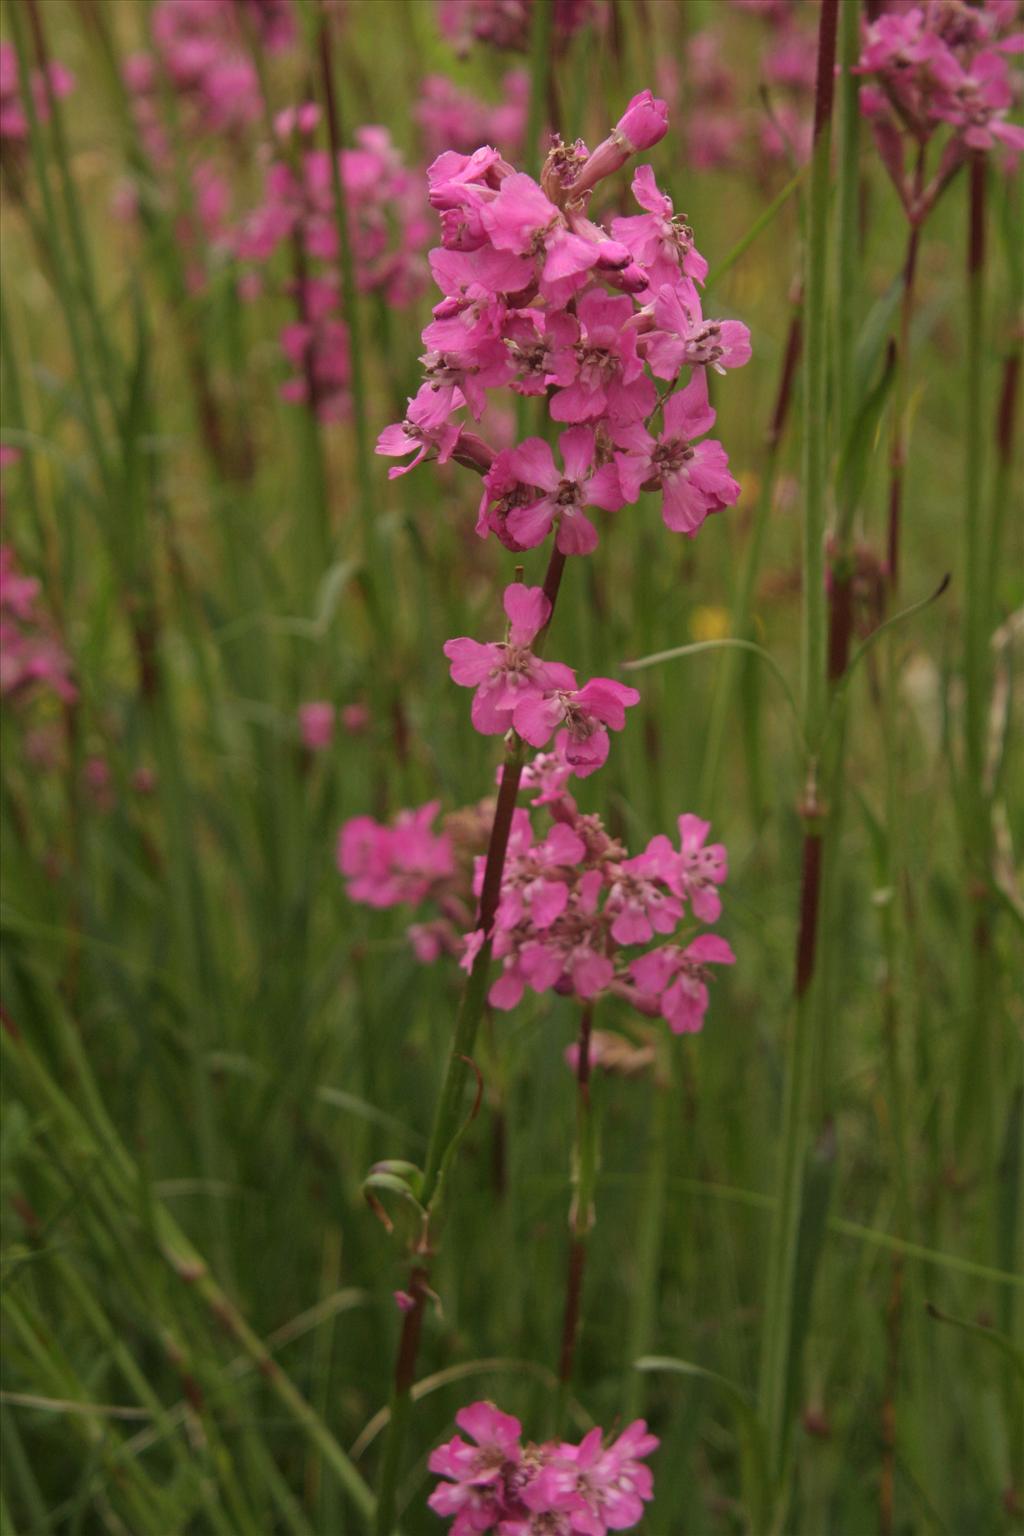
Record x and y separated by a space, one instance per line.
723 133
493 1482
204 48
32 658
572 901
541 300
13 119
454 119
507 23
387 228
318 718
940 64
388 866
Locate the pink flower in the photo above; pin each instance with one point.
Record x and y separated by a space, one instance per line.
677 977
13 121
354 718
644 122
586 714
454 119
692 873
506 674
316 724
660 242
565 494
556 1489
604 1488
608 379
32 658
426 428
389 865
684 338
640 907
533 887
523 221
477 1474
694 478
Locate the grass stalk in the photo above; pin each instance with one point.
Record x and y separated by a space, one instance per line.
98 325
979 1117
650 1236
541 76
353 316
581 1218
781 1320
62 274
730 663
95 1137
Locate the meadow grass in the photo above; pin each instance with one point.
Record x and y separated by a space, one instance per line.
805 1269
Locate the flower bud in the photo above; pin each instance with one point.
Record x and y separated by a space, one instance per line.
644 122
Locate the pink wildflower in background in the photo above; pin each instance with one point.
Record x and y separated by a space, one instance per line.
32 658
13 118
400 863
453 119
937 67
316 724
507 23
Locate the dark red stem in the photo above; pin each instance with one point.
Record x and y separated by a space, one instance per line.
824 92
409 1343
810 887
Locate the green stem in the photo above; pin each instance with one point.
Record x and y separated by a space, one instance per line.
848 232
62 274
777 1361
725 682
979 1081
83 257
540 80
353 316
581 1218
640 1335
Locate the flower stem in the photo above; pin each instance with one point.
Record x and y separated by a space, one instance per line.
447 1127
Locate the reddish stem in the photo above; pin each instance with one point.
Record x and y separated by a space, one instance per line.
825 86
810 886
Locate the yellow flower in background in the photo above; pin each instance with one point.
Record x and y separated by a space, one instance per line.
709 623
750 486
